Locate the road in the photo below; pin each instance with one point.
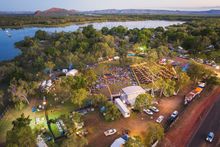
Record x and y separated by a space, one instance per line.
210 123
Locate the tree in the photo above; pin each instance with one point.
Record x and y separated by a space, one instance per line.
169 87
71 122
166 86
123 50
90 77
152 55
41 35
162 51
105 30
183 80
112 112
212 81
134 142
198 72
153 133
18 91
50 65
98 100
80 82
1 97
79 96
74 141
21 134
143 101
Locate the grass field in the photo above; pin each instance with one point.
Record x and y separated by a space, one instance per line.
55 112
55 129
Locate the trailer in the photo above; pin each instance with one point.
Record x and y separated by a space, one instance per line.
190 96
122 107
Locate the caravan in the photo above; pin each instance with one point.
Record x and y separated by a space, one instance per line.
122 107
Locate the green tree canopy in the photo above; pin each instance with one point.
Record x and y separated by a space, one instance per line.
74 141
18 91
143 101
199 72
153 133
21 134
79 96
112 113
134 142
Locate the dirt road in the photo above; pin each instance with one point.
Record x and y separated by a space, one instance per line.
211 123
180 134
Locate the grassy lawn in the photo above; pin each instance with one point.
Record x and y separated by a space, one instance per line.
55 130
54 112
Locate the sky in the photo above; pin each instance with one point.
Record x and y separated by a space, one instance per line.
33 5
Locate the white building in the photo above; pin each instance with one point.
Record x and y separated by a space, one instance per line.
129 94
122 107
72 72
118 142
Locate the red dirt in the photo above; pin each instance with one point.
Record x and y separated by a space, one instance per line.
137 124
179 135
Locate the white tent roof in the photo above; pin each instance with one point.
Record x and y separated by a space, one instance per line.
118 142
133 90
72 72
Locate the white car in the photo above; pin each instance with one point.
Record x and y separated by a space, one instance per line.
110 132
154 109
149 112
210 137
160 119
174 114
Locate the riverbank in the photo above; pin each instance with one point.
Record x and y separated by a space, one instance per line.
17 22
19 34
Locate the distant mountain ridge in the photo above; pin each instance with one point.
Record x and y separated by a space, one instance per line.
65 12
55 12
155 12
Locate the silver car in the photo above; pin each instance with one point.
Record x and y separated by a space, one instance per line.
160 119
154 109
147 111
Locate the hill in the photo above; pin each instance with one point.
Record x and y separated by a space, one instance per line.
55 12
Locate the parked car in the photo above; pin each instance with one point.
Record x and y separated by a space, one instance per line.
160 119
110 132
154 109
148 111
210 137
83 112
174 114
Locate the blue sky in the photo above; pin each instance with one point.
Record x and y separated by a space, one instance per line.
32 5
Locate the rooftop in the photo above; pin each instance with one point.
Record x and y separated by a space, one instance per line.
133 90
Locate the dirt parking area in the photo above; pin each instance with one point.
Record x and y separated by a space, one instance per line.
137 123
96 126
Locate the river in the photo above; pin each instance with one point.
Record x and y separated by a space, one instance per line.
8 51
